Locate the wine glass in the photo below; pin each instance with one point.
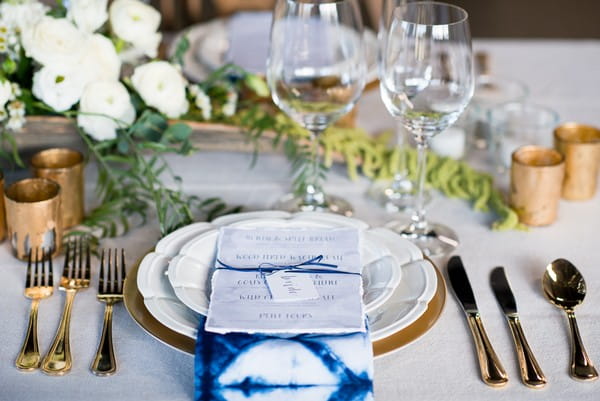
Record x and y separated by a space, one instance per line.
398 193
316 72
426 83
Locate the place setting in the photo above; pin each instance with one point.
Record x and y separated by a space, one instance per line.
229 285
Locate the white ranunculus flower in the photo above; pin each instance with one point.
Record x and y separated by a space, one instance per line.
20 14
136 23
161 86
88 15
53 41
58 87
111 99
100 60
5 92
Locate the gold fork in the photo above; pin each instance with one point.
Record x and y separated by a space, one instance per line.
38 285
110 291
75 277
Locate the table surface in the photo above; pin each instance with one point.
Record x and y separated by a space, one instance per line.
440 365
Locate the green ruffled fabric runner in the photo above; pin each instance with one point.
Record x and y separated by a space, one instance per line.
456 179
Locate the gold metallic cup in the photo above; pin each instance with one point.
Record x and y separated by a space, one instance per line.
580 146
65 166
33 216
536 177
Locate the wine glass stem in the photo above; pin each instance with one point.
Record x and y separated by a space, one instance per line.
418 218
313 190
402 172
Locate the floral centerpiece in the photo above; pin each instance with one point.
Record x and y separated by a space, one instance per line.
70 62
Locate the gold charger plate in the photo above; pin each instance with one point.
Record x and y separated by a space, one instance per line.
134 303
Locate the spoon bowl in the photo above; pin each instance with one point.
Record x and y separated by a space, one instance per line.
564 286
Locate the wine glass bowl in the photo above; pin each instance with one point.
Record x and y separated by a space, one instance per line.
427 72
426 81
316 72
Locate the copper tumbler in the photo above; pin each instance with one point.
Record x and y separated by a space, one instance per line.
580 146
65 166
33 216
536 177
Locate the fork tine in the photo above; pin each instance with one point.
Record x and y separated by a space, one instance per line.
37 278
123 271
50 277
115 272
28 277
101 283
80 258
110 269
66 269
88 262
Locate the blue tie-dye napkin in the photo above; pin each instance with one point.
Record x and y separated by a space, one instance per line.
304 367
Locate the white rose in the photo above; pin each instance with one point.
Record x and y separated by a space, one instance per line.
5 92
88 15
136 23
53 41
58 87
110 99
162 86
100 60
21 14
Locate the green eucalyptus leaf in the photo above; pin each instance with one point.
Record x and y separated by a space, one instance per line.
123 146
257 85
183 45
58 11
179 131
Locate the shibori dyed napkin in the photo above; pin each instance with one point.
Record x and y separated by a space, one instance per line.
304 367
250 349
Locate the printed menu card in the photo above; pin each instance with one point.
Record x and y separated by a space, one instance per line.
287 281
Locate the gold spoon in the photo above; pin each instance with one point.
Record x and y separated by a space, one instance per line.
564 286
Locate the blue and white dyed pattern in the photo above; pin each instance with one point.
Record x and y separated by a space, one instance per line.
306 367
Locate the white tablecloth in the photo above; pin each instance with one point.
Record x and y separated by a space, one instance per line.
439 366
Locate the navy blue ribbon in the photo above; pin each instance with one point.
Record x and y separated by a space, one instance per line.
298 268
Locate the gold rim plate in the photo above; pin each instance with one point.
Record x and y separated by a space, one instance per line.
134 303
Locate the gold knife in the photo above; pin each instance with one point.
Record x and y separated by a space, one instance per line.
531 373
492 371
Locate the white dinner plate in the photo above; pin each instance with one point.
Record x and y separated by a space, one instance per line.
403 305
407 303
209 44
159 297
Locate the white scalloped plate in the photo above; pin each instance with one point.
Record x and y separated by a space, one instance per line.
406 302
159 297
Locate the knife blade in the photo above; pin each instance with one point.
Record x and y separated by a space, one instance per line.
492 371
502 291
531 373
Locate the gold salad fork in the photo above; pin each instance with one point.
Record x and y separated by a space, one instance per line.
38 285
110 291
75 277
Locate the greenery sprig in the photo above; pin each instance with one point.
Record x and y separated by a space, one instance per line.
134 178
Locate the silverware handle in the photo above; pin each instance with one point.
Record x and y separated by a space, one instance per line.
104 363
531 373
492 371
29 356
582 367
58 359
